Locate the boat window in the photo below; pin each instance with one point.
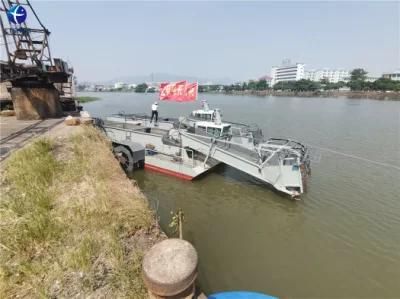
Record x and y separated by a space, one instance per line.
214 131
226 130
204 116
189 153
236 131
201 130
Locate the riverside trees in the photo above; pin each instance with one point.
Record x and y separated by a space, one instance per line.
300 85
358 82
385 84
141 87
256 85
358 79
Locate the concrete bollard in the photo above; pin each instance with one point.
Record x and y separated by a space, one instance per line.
170 270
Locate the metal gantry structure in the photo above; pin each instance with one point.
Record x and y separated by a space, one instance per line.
27 49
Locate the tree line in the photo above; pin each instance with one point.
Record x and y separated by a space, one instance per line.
357 82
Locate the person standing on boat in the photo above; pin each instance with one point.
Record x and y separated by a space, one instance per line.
154 112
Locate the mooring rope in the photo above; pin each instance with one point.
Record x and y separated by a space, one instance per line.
397 167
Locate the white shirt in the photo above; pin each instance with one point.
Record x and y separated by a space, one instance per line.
154 107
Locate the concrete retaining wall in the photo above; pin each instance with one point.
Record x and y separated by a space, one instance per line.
36 103
4 94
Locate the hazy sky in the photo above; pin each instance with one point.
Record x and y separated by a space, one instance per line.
239 40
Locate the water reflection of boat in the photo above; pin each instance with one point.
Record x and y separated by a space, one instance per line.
189 146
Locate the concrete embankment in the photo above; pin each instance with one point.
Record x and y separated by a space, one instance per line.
4 94
71 223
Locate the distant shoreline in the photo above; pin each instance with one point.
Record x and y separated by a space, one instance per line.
86 99
373 95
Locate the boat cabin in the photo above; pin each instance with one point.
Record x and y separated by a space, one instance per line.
203 115
206 113
212 129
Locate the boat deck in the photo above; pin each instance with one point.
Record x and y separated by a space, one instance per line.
154 130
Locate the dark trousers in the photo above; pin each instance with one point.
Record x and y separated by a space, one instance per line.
154 113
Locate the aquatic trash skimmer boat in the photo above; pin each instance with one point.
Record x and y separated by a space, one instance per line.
188 149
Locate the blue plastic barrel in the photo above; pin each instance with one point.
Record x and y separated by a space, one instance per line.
240 295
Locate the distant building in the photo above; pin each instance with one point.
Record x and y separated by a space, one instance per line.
394 76
90 87
99 87
268 79
287 72
120 85
333 76
371 79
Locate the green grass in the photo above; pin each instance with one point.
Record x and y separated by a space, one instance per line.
87 99
66 213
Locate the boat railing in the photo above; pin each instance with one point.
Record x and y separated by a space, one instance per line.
141 115
291 144
233 148
191 155
273 153
128 129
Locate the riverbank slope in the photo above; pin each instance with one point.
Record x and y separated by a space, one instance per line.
71 223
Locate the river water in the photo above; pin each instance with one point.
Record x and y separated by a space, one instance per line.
341 240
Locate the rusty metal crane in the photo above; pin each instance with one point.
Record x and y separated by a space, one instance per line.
28 56
40 86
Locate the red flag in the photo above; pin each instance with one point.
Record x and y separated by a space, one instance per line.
191 91
169 91
180 91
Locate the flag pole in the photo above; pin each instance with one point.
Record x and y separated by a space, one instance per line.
197 90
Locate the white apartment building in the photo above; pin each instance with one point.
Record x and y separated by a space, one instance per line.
333 76
287 73
394 76
119 85
371 79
